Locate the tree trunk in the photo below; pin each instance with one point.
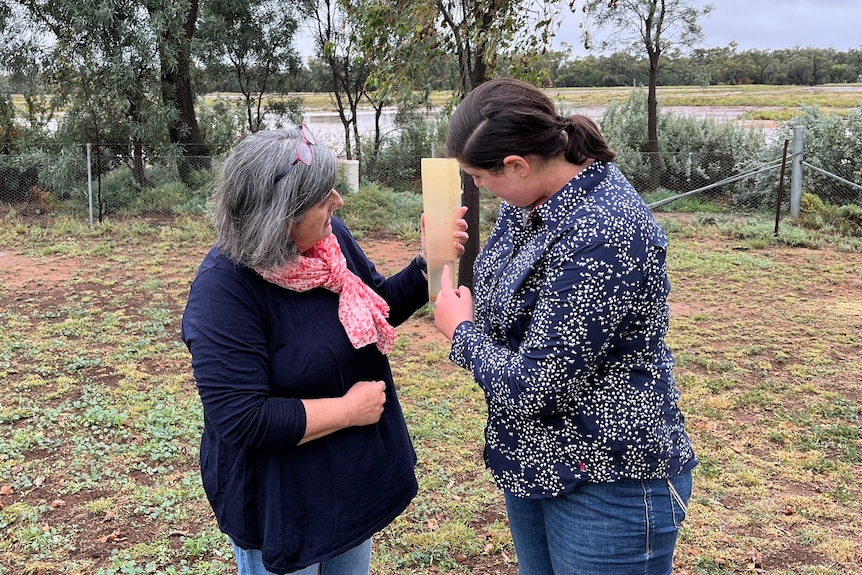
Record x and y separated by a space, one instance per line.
477 72
138 170
469 198
652 124
177 90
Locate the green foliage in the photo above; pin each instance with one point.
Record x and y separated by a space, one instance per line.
852 213
18 174
833 143
165 194
398 163
689 204
817 214
222 124
62 172
694 152
697 152
647 25
290 107
163 199
119 190
716 66
251 40
812 204
374 208
121 195
624 125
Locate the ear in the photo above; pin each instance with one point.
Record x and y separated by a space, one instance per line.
519 164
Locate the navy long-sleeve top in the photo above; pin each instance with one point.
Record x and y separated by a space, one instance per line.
568 342
258 349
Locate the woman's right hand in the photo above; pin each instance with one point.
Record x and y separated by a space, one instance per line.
452 306
364 402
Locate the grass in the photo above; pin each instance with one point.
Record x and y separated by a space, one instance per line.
750 95
100 421
766 102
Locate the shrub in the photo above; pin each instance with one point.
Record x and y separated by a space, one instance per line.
398 162
18 175
63 172
819 215
833 143
374 208
690 204
119 190
166 198
694 152
222 124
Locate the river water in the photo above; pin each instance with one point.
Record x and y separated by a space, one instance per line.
328 128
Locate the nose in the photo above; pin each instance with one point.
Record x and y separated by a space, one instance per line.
337 199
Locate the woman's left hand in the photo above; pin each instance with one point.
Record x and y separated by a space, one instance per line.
460 233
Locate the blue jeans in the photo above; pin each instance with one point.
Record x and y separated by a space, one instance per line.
356 561
623 528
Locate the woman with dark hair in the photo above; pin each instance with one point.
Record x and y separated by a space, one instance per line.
567 340
305 452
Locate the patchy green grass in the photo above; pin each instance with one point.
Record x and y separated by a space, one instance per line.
100 420
763 102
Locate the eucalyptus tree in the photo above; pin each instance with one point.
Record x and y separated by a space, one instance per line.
22 53
481 35
252 40
651 25
853 58
622 69
712 66
478 32
94 65
761 65
172 24
819 62
401 72
136 51
335 43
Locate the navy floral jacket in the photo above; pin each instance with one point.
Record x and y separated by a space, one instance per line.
569 342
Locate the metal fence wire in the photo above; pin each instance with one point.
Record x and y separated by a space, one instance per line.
116 185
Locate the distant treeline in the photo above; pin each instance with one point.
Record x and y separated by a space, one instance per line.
700 67
704 67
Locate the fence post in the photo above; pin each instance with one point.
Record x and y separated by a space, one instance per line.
90 184
349 170
796 172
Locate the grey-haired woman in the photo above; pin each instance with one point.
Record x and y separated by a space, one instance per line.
305 453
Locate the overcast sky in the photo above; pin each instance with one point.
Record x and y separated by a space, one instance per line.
752 24
768 25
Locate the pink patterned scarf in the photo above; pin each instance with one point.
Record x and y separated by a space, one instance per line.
362 312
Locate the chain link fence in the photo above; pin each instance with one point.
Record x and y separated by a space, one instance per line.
97 187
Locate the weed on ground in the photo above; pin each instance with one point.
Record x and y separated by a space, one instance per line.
100 419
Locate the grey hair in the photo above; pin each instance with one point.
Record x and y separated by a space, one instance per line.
252 213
